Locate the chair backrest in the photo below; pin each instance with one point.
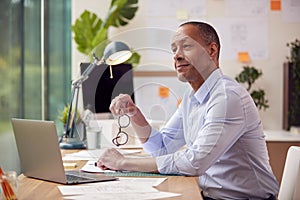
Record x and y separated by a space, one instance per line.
297 186
290 183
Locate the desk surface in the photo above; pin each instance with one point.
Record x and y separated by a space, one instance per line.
34 189
281 136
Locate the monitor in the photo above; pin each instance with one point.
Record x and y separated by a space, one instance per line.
99 89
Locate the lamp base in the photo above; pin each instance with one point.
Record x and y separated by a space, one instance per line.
72 143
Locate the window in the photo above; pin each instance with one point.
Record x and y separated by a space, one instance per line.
24 72
35 63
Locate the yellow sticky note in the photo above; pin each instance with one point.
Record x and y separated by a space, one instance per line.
69 165
182 14
243 57
275 5
163 92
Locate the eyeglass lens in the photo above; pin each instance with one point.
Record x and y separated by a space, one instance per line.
122 137
123 121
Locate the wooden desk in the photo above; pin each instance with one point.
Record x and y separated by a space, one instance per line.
278 143
33 189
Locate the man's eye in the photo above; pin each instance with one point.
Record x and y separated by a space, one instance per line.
186 46
174 50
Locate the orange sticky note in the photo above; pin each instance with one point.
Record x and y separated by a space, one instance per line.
179 102
163 92
275 5
243 57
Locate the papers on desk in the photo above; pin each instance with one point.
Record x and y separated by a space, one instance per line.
125 188
90 167
131 196
95 154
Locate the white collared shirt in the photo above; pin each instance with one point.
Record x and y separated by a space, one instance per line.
224 144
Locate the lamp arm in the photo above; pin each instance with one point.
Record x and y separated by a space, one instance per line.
76 84
74 117
87 72
67 125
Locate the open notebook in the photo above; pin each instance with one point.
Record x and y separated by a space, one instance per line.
40 155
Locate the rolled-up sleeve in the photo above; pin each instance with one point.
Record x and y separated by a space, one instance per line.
168 140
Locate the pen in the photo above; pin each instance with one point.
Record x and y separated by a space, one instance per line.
122 171
102 166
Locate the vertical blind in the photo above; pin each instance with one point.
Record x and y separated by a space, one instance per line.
35 58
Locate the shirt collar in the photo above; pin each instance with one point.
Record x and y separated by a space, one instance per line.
207 86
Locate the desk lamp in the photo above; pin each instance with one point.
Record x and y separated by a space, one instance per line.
114 53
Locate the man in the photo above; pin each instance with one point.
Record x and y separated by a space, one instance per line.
215 134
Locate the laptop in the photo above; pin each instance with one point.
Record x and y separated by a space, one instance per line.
40 155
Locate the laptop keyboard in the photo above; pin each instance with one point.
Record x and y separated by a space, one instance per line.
71 177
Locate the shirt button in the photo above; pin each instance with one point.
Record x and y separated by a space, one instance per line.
206 194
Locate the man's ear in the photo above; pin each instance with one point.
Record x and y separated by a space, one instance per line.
213 50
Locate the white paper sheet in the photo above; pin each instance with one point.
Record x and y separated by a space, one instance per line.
247 8
112 187
291 10
95 154
131 196
243 35
170 8
169 13
90 167
151 182
123 185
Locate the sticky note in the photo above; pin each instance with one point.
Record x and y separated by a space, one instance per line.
275 5
69 165
243 57
163 92
179 102
182 14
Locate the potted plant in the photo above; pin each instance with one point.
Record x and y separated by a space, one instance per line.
248 76
90 31
73 135
292 86
63 115
294 51
91 36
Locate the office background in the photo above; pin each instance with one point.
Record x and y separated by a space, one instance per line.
38 56
278 33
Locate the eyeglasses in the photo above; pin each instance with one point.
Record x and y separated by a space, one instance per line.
122 137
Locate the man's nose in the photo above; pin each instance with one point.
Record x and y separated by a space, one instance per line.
178 56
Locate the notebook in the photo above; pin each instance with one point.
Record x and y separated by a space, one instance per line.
40 155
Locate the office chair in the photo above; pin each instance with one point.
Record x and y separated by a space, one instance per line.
290 183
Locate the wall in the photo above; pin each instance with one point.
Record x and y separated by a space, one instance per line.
138 34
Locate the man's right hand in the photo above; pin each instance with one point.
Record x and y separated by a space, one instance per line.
123 104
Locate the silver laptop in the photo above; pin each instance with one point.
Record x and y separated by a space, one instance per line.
40 155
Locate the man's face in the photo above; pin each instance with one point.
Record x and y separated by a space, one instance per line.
191 59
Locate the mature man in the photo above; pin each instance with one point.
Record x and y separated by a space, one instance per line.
215 134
